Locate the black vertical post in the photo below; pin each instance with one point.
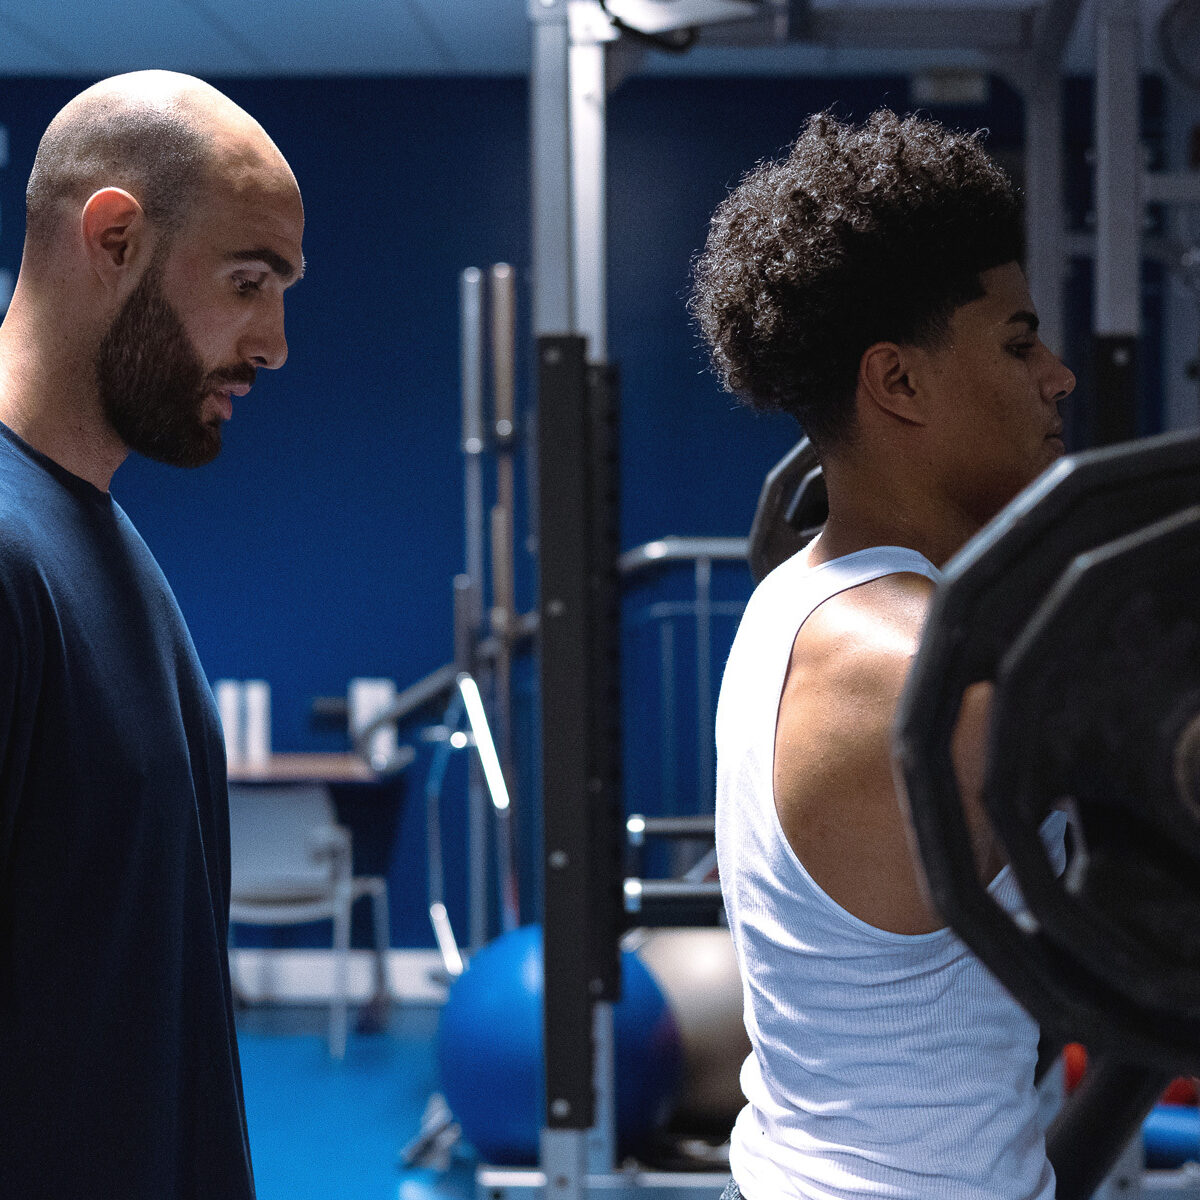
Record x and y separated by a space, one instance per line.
1095 1124
580 713
1116 389
604 743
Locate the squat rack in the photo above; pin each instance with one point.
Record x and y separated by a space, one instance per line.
579 56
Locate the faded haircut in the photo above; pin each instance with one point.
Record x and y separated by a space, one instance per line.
157 154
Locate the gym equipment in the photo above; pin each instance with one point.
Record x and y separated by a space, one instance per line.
1079 603
682 901
486 638
449 737
1181 1092
486 642
702 554
697 972
490 1051
576 59
792 507
1048 601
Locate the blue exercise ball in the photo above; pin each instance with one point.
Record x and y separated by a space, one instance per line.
489 1051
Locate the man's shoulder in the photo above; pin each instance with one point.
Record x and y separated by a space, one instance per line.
18 526
865 634
847 670
834 792
37 531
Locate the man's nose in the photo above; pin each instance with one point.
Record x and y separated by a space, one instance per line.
266 344
1060 381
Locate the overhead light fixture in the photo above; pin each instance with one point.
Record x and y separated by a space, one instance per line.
657 18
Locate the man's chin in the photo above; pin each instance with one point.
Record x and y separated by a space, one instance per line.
197 450
203 452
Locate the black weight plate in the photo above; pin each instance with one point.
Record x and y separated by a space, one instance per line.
988 592
808 509
791 508
1090 702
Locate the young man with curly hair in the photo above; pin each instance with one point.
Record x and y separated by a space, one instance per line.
870 285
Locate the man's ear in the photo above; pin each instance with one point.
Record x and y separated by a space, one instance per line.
116 235
885 380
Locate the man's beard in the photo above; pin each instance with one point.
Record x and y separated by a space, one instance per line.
152 384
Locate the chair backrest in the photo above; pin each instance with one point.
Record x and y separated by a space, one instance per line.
275 835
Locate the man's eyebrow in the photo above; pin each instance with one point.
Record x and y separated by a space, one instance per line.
1026 318
276 262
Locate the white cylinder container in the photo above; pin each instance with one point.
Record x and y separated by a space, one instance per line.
257 746
366 699
229 705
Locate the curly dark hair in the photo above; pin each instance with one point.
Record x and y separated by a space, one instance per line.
867 233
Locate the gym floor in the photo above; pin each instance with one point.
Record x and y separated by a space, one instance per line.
324 1130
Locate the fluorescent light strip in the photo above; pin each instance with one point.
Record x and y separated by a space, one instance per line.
483 741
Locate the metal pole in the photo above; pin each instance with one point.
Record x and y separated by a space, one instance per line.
567 105
550 149
588 162
1045 261
469 586
568 734
704 701
602 1137
669 765
473 442
568 92
564 1143
1119 218
1096 1123
503 615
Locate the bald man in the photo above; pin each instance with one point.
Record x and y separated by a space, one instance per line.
163 228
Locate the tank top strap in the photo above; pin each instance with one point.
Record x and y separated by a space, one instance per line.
851 570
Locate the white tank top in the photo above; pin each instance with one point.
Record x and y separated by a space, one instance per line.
882 1064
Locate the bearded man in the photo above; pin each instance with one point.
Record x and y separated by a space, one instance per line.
163 227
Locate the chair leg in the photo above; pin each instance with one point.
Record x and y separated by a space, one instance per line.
373 1016
383 938
341 981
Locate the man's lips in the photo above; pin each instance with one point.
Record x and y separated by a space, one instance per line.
222 404
224 398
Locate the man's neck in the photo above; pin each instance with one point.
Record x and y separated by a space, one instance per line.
872 509
48 399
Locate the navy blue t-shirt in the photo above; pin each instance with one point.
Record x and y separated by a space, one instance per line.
119 1073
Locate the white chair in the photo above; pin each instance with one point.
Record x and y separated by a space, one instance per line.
290 864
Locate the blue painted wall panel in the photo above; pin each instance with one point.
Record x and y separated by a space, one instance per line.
322 543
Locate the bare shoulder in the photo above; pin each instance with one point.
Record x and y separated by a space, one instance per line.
833 775
859 644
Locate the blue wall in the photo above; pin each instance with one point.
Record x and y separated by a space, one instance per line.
322 543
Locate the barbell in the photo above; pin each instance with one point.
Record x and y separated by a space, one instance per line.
1080 605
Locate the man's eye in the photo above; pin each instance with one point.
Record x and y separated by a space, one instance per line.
1022 349
244 284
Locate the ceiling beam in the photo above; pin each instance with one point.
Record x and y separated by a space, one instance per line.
910 27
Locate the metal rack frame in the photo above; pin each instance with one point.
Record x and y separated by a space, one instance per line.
578 57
